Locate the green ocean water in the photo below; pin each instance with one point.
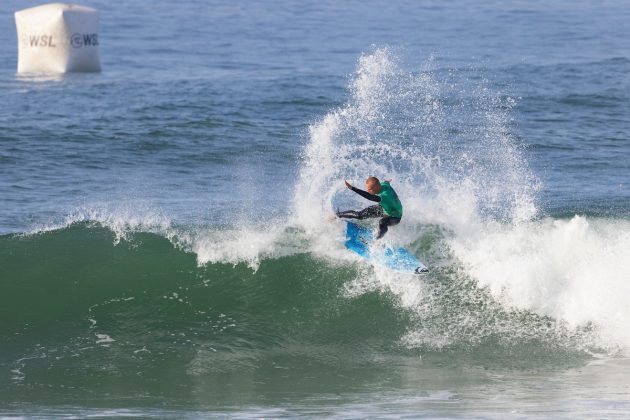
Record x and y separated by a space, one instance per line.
89 320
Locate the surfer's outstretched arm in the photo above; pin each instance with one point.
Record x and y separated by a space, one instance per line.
367 195
364 194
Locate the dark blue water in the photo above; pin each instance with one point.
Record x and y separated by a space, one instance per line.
205 159
198 99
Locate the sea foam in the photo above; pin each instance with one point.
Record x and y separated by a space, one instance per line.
447 143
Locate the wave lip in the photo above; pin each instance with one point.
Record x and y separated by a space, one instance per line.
571 270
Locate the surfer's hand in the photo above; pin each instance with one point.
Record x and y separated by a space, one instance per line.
387 180
348 185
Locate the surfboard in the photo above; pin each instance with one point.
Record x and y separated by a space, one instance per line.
360 240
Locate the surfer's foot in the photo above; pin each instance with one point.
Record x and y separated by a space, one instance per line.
332 217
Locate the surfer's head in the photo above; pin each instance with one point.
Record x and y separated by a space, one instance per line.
373 185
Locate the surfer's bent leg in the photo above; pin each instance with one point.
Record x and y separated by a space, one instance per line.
348 214
384 223
369 212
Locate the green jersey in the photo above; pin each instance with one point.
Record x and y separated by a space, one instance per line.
389 201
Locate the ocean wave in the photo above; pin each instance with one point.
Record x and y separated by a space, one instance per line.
514 285
124 294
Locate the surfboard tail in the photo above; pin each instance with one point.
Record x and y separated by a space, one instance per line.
360 240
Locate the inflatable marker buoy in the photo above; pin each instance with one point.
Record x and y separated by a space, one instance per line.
57 38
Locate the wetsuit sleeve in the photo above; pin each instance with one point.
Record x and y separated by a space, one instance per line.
367 195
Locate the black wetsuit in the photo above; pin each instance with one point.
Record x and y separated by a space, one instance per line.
371 212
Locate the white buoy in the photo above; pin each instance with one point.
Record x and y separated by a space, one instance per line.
57 38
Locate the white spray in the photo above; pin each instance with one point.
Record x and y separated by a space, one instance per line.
447 145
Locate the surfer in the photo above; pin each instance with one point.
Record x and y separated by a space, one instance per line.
388 208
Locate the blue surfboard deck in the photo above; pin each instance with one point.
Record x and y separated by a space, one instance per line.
360 240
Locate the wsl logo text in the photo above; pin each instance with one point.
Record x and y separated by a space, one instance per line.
39 41
84 40
77 40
